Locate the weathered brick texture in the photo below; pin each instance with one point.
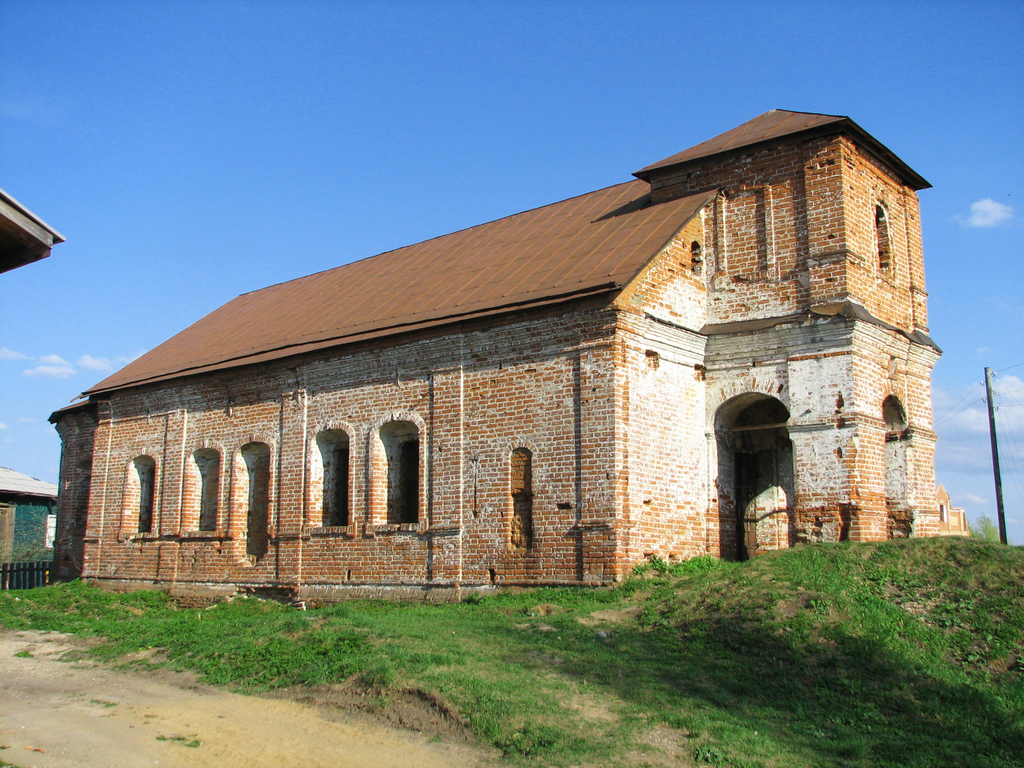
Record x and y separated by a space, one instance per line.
728 401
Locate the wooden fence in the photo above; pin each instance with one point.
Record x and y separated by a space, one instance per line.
25 575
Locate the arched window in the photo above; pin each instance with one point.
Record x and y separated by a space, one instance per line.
334 450
401 441
696 257
882 238
257 465
207 462
521 488
894 415
145 471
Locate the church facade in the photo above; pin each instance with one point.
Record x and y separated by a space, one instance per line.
727 355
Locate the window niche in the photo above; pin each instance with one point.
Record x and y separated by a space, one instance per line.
257 465
896 487
207 461
144 469
401 440
335 455
882 242
521 489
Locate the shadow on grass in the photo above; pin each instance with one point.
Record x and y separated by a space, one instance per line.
847 702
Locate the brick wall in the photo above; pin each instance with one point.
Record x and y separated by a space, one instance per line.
647 417
543 383
76 429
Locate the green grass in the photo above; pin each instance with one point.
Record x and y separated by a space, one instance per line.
905 653
185 741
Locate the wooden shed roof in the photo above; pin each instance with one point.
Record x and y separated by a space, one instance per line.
24 237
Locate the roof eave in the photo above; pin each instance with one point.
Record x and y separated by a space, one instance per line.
321 345
76 407
8 201
14 492
26 237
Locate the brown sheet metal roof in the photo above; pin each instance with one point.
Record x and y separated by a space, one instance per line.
586 245
772 126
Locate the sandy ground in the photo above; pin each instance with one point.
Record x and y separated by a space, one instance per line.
57 714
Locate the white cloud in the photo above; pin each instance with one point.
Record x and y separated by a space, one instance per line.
105 364
53 366
95 363
988 213
10 354
2 425
26 420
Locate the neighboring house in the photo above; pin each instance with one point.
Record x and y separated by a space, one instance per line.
27 505
952 520
24 237
727 355
28 517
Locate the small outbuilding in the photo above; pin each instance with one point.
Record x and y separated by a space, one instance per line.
28 517
952 520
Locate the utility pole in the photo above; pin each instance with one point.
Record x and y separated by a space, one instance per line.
995 454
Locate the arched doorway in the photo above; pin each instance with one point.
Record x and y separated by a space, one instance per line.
755 476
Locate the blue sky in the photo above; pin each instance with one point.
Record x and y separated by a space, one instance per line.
193 151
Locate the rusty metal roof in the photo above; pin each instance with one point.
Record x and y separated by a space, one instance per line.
771 127
591 244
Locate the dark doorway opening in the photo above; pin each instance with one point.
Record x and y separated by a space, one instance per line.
755 476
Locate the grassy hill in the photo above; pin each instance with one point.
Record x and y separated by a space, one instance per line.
904 653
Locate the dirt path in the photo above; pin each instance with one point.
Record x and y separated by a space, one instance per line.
55 714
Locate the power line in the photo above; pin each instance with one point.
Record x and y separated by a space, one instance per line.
1017 365
969 393
1015 454
1016 461
962 410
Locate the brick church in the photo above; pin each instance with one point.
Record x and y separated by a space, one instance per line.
726 355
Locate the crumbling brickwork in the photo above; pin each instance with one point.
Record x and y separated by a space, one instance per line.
735 395
77 431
